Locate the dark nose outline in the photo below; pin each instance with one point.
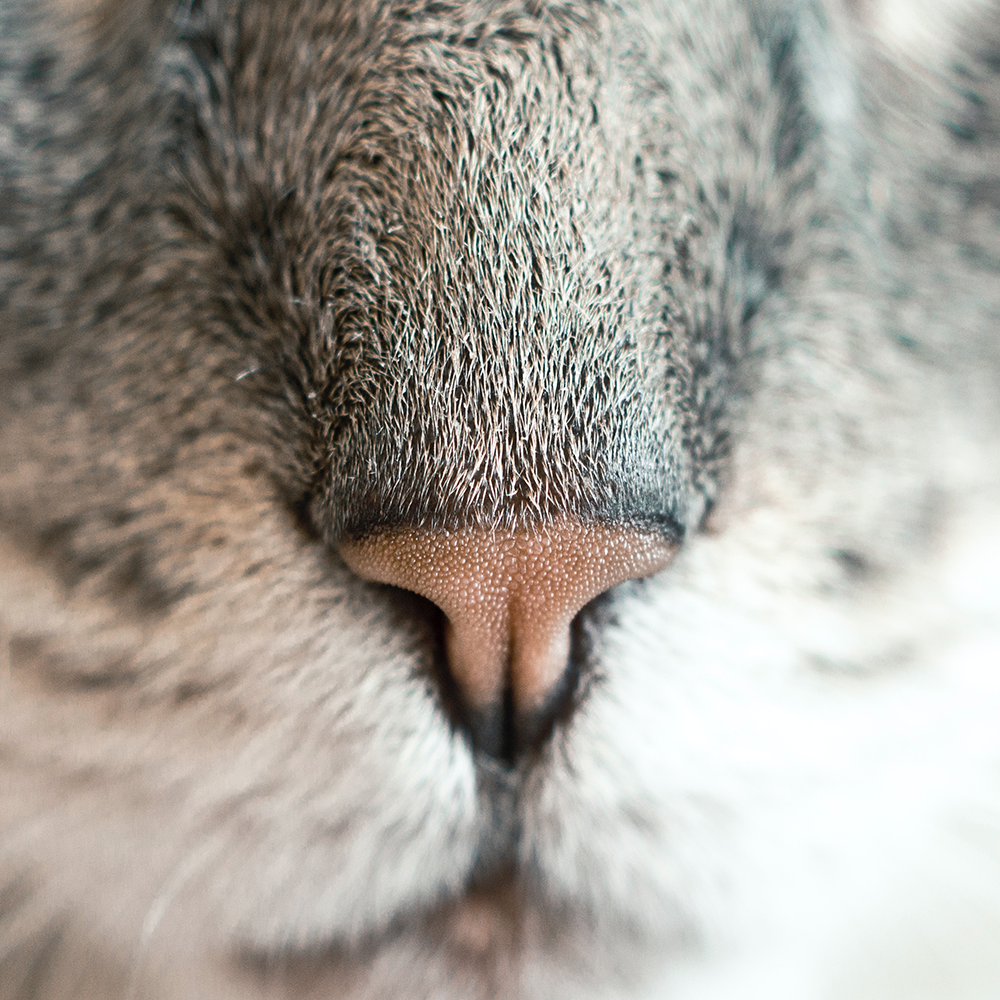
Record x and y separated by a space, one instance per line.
509 596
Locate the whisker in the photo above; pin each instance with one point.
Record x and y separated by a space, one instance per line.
176 881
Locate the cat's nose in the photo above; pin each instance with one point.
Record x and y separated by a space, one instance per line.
509 598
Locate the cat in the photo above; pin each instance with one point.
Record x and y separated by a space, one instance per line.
499 500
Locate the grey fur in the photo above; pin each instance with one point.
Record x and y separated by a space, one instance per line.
276 271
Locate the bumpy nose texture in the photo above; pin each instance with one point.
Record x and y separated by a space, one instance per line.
509 597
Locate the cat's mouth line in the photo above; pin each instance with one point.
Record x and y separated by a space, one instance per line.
483 924
481 917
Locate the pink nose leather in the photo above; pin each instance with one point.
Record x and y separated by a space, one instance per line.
509 596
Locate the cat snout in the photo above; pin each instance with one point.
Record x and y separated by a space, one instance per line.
509 597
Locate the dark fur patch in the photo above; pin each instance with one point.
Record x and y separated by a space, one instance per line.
34 655
122 569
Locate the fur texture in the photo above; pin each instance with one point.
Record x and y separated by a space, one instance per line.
274 271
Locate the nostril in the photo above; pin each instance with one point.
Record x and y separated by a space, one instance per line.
509 599
497 731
